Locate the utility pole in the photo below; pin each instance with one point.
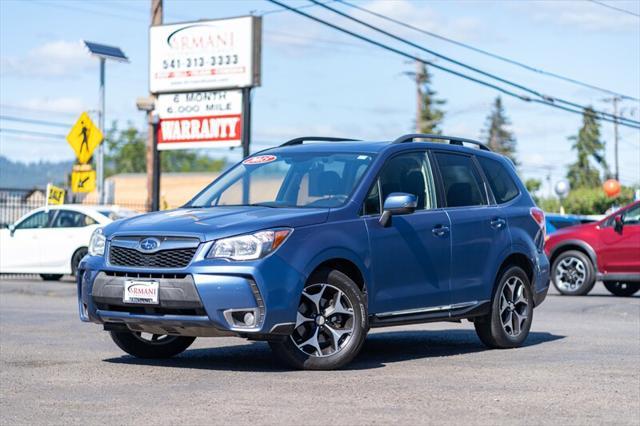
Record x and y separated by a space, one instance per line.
614 100
152 153
419 103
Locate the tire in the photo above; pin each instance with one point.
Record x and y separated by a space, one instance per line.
508 323
76 258
622 289
572 273
138 345
334 332
51 277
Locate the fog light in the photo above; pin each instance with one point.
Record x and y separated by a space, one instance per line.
249 319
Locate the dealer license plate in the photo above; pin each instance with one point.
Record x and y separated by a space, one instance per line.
136 291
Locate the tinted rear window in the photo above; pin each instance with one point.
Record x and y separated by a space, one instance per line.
462 183
502 185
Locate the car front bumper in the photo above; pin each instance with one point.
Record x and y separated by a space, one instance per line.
199 300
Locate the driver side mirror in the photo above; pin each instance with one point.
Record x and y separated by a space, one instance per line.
397 203
618 223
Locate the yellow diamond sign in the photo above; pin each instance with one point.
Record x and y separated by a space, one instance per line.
83 179
84 138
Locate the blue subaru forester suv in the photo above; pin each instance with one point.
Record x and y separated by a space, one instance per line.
309 245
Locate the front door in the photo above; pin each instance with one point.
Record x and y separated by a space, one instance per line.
620 250
21 249
410 258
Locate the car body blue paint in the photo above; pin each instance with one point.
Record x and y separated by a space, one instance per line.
404 266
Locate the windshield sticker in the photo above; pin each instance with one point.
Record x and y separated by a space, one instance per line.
260 159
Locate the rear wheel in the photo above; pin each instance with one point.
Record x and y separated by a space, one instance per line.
331 324
146 345
622 289
508 323
573 273
51 277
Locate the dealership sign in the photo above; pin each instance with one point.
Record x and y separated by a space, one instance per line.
200 119
205 55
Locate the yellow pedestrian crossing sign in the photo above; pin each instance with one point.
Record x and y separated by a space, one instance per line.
84 138
83 179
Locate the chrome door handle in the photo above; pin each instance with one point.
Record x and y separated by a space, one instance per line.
440 230
498 223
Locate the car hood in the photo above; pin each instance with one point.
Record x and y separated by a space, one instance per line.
215 222
575 229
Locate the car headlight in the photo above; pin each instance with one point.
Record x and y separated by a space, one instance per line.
250 246
97 243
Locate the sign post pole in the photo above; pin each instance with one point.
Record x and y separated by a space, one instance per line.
246 138
155 200
100 159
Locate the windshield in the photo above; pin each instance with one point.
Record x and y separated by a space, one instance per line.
287 180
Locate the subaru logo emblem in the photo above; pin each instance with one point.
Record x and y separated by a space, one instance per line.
149 244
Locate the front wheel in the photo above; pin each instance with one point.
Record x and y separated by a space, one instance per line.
331 324
146 345
508 323
51 277
622 289
572 273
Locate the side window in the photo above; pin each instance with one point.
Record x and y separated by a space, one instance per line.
35 221
409 173
632 216
71 219
462 183
502 185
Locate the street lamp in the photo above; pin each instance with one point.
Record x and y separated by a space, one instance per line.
103 52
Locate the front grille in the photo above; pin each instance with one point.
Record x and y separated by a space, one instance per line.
173 258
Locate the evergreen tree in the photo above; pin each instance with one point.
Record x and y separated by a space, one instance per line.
430 117
583 173
496 135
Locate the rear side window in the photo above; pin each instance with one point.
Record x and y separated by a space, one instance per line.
461 181
502 185
72 219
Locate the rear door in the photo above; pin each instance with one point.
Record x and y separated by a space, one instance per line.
479 228
69 231
410 261
620 250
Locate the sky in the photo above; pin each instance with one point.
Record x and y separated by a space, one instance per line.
317 81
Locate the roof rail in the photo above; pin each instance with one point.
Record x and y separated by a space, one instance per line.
300 140
453 140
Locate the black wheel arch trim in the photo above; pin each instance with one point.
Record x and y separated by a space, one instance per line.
563 246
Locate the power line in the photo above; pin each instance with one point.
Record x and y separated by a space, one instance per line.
32 133
619 9
442 68
31 121
464 65
272 11
487 53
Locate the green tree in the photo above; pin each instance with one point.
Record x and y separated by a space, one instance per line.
587 144
430 117
126 153
496 135
533 186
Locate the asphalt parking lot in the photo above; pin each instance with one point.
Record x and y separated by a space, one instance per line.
580 366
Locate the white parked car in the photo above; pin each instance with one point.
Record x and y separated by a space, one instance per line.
51 241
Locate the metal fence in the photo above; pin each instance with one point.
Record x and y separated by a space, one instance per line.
15 203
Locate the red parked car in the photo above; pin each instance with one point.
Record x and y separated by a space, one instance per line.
608 250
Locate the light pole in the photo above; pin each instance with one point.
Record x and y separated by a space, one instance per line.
103 52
